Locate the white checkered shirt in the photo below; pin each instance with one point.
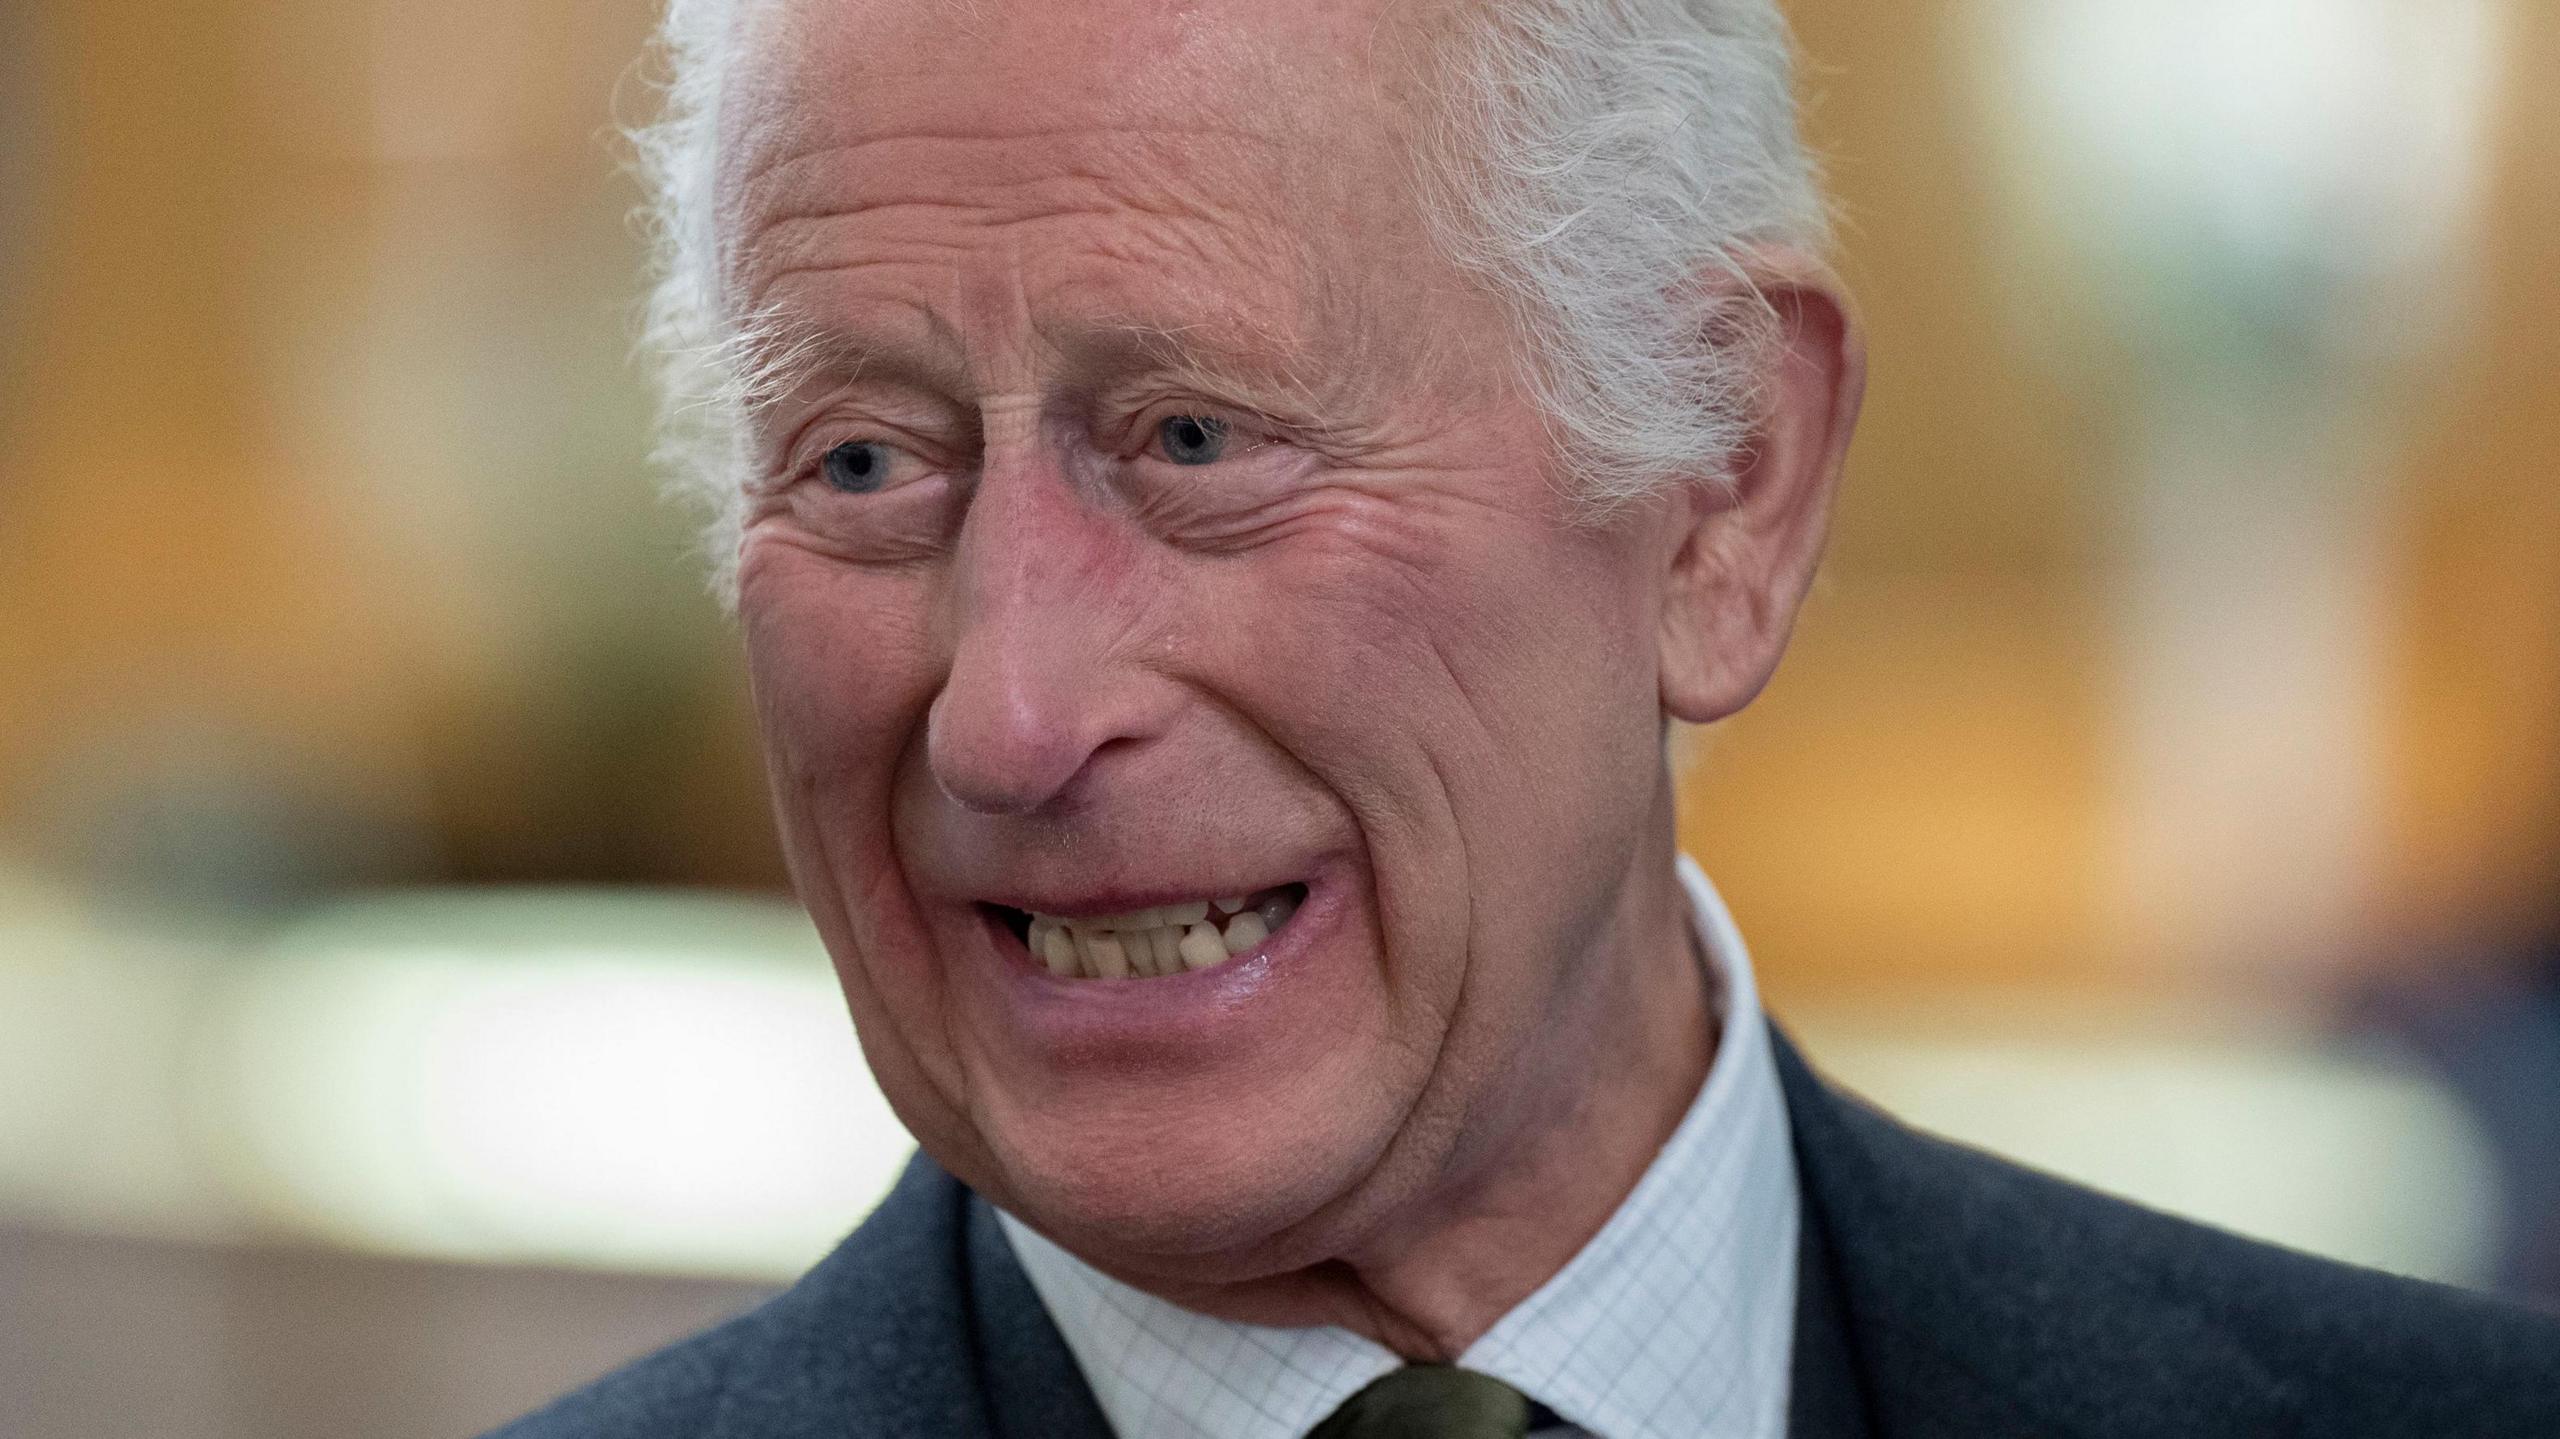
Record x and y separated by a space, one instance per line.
1677 1320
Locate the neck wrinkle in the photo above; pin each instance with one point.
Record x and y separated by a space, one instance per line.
1542 1193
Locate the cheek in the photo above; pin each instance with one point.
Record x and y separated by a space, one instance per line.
1482 696
1350 651
842 677
842 672
1498 640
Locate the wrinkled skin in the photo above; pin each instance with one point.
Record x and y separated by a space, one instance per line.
1367 649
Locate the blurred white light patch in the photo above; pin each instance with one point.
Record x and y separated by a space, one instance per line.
629 1081
666 1082
2352 130
2214 1112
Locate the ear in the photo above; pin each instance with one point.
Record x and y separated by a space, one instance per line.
1744 549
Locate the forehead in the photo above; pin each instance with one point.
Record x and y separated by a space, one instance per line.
1084 150
813 71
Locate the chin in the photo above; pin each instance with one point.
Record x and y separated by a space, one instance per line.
1188 1190
1183 1124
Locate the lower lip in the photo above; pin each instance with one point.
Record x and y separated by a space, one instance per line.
1075 1013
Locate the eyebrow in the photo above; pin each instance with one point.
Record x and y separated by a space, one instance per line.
1202 355
773 354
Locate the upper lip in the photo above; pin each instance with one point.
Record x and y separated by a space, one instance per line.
1086 903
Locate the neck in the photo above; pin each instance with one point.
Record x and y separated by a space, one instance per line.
1599 1090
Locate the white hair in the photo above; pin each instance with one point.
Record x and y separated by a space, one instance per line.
1601 164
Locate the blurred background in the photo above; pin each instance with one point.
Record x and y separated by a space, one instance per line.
401 1017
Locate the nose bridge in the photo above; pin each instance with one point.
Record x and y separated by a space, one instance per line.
1030 694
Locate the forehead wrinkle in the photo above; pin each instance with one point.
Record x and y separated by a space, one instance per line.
1235 310
1141 210
1154 243
1242 353
1008 173
1241 275
778 166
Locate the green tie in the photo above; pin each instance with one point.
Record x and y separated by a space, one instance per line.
1430 1401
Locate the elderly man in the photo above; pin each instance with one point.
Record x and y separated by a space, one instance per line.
1225 500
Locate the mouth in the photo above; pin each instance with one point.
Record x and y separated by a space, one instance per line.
1153 943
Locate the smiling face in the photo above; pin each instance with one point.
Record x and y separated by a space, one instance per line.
1156 522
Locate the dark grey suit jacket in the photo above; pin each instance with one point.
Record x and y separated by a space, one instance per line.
1942 1292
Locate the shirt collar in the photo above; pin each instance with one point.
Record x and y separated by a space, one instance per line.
1676 1319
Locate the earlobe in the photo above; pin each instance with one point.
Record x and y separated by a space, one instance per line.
1746 544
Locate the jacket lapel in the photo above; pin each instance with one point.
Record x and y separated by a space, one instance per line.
1941 1293
921 1325
1826 1396
1034 1389
876 1341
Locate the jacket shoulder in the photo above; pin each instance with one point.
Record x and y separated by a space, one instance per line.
1978 1285
671 1394
2357 1350
870 1343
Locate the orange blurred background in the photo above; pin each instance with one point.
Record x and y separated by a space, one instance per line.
2189 645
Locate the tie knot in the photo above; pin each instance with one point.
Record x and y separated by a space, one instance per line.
1430 1401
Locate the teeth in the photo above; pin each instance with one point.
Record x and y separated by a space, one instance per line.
1245 931
1056 948
1165 940
1201 946
1105 957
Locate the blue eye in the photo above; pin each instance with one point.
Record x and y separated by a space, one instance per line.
1192 439
856 467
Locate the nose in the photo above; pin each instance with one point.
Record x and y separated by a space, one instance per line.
1039 623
